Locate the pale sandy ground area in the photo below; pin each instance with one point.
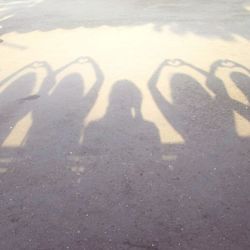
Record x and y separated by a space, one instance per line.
124 124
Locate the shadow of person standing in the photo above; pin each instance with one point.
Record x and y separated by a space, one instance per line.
219 127
124 181
221 117
59 117
123 128
232 163
212 160
188 112
227 141
46 188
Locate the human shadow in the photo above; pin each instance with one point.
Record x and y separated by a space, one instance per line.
214 157
125 194
58 118
123 134
206 123
222 100
57 111
122 152
187 114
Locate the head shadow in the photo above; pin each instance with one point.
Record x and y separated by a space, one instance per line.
242 81
70 89
125 99
187 92
19 88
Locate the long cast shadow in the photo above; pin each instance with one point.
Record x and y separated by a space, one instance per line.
214 159
58 120
126 195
